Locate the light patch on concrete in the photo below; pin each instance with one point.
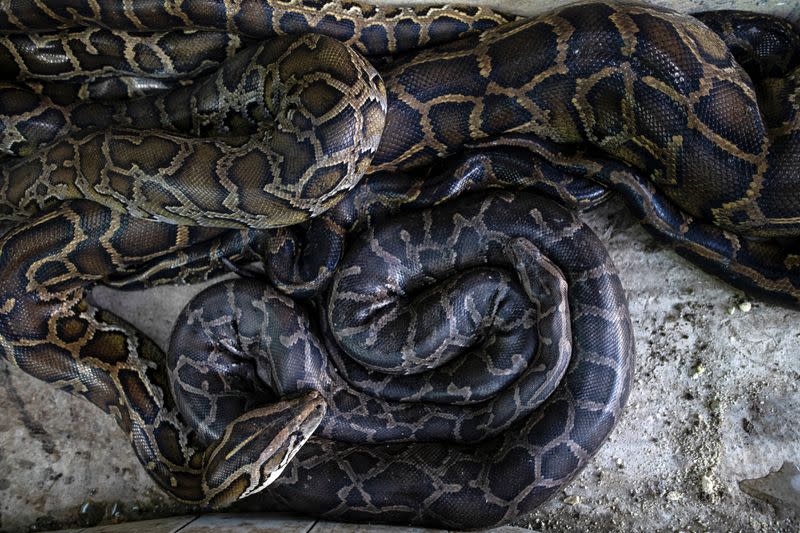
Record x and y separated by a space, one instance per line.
781 489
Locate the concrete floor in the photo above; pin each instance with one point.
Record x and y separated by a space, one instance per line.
256 523
714 408
715 402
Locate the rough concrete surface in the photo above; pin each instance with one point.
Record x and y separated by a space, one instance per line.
714 408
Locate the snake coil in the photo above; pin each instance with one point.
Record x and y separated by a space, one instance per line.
472 357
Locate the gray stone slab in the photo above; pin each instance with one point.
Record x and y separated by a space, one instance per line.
333 527
262 523
250 523
781 489
158 525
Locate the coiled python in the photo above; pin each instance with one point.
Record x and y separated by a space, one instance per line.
635 98
537 375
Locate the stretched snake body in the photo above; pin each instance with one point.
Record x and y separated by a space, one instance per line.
505 345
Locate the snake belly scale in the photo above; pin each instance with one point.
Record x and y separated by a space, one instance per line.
453 355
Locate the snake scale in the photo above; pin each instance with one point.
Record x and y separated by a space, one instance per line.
440 341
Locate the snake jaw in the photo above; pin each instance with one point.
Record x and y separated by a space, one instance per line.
257 447
305 414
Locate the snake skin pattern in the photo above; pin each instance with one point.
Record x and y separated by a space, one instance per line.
466 401
702 149
673 102
242 160
436 345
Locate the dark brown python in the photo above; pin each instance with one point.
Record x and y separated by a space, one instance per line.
546 360
703 148
703 140
271 138
638 99
472 357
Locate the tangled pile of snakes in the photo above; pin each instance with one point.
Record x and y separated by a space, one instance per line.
422 330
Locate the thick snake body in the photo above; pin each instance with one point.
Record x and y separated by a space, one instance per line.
467 413
662 97
428 482
289 126
217 153
459 353
254 331
654 117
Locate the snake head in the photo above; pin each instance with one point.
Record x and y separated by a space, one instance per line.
257 447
